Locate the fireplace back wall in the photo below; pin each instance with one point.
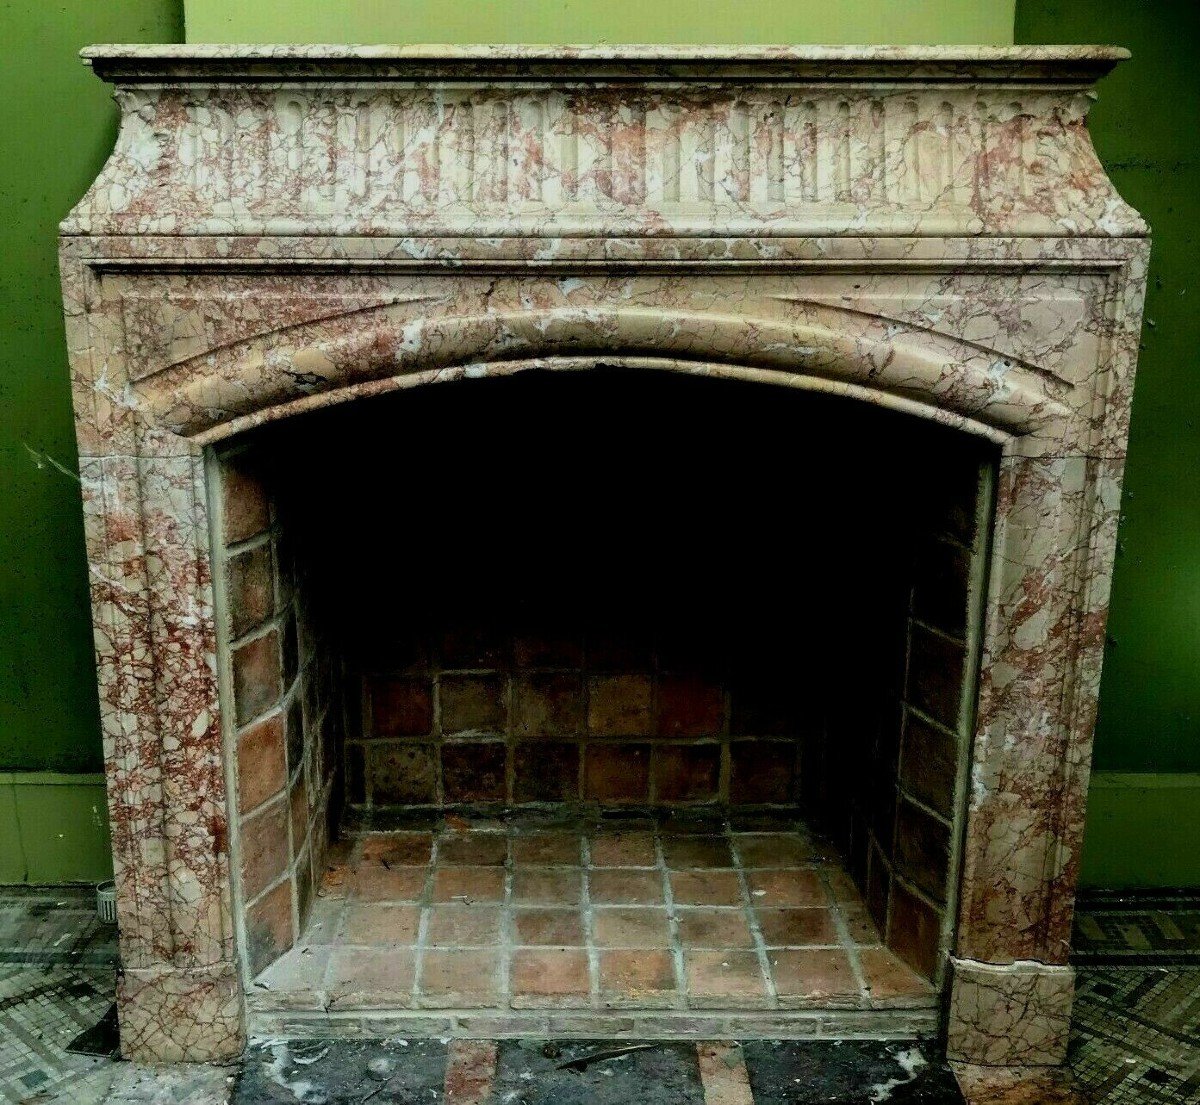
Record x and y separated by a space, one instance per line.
584 591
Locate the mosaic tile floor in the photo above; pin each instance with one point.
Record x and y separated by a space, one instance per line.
589 918
1135 1041
55 924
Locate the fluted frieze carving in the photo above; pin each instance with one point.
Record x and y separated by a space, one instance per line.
855 150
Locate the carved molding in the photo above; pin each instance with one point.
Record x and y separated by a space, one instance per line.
858 142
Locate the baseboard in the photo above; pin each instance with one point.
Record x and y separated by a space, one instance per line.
53 828
1143 831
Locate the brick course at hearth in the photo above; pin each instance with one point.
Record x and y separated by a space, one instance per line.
542 719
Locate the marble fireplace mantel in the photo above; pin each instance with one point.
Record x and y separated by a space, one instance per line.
285 228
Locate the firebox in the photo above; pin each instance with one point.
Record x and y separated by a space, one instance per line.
605 542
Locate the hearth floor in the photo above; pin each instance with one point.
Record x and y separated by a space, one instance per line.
499 928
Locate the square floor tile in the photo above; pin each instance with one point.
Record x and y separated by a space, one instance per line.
380 923
706 888
724 977
454 977
628 849
709 927
800 887
631 927
638 978
552 927
816 975
800 927
622 886
457 925
551 886
468 884
554 977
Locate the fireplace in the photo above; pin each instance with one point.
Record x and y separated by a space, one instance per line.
600 542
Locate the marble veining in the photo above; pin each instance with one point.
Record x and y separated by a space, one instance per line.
283 228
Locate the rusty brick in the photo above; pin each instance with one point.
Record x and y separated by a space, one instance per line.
914 931
620 705
922 850
690 706
762 772
403 773
474 772
617 772
269 930
401 707
548 705
473 703
545 771
256 677
245 502
261 763
687 772
250 586
265 853
935 675
929 764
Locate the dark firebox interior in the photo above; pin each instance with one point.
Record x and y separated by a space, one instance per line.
624 592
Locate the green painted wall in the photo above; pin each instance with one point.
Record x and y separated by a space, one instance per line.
942 21
59 124
1144 129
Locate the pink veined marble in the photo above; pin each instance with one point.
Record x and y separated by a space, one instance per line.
285 228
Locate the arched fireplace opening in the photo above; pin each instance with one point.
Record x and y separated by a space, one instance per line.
617 688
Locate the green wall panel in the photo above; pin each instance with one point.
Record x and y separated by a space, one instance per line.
59 125
940 21
1144 130
1142 831
53 828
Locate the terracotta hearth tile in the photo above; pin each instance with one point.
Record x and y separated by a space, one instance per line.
688 852
250 589
548 650
775 850
265 853
474 646
400 707
552 927
302 971
548 705
943 571
631 927
298 803
842 886
371 976
617 773
859 925
616 849
456 977
929 764
922 854
879 889
706 888
468 884
782 928
762 772
555 886
914 930
624 887
638 978
261 763
400 849
557 977
388 884
724 977
690 706
620 705
935 675
474 772
381 924
687 772
457 925
799 887
402 774
269 931
814 975
886 977
473 703
257 683
545 771
708 927
553 848
473 850
245 504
